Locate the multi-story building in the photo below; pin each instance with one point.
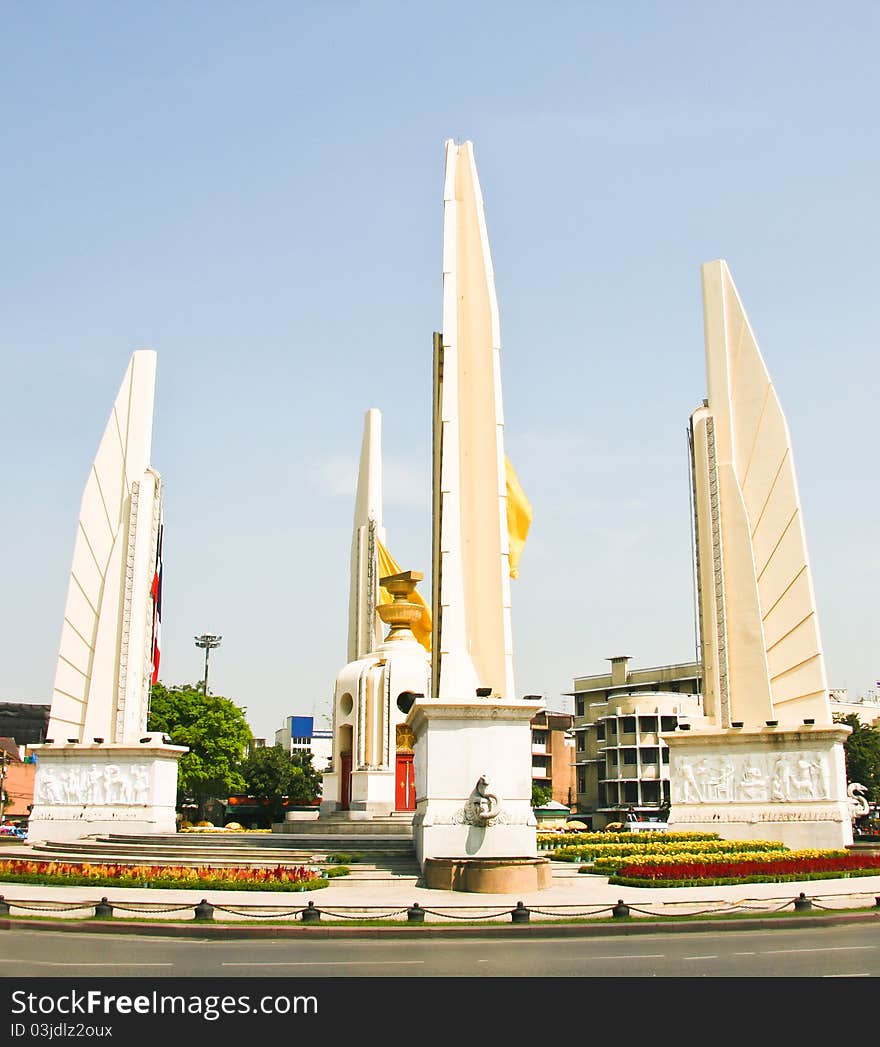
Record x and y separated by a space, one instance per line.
299 735
553 755
621 762
866 706
22 725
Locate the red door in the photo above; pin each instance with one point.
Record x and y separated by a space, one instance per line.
405 795
345 782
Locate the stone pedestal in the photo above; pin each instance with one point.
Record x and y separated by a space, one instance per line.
474 795
91 789
771 783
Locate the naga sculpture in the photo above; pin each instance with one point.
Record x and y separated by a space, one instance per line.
483 803
858 804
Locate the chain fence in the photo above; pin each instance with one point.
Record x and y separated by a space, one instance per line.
205 911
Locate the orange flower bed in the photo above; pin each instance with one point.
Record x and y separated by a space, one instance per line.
279 877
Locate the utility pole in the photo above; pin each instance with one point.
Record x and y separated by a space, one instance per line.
208 642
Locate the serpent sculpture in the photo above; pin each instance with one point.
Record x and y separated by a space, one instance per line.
484 803
858 804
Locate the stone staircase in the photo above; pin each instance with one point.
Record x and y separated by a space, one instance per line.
379 856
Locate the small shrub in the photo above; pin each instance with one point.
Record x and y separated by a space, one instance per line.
337 870
342 858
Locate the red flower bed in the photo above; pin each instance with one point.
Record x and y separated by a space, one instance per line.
750 867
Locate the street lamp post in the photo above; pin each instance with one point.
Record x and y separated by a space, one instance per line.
209 642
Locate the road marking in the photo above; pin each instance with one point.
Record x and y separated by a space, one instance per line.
715 957
324 963
50 963
833 948
744 954
864 974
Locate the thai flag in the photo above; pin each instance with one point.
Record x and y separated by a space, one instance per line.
156 593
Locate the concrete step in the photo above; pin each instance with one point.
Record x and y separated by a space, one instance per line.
378 858
339 840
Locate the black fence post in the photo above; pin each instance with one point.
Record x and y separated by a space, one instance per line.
620 909
103 908
204 911
520 914
415 913
310 914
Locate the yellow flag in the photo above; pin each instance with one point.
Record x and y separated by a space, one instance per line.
519 518
422 628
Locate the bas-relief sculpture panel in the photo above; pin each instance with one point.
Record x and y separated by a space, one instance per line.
751 778
101 785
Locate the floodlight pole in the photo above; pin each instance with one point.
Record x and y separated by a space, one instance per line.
209 642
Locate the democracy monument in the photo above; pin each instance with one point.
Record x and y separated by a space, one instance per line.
99 770
769 763
427 726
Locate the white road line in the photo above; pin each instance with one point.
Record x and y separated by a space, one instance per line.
50 963
700 957
744 954
864 974
834 948
325 963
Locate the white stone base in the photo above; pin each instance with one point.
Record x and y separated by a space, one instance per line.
457 743
371 794
87 790
769 784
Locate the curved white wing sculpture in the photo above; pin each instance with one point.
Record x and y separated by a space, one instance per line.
105 662
762 653
472 633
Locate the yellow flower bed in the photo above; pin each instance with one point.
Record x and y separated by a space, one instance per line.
730 857
557 840
617 851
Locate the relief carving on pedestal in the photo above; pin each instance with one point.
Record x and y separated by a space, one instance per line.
94 785
755 778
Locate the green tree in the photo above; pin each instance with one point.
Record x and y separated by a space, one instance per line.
541 794
862 753
216 732
272 772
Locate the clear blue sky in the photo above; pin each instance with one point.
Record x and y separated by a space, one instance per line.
255 192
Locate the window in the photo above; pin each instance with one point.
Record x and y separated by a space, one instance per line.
600 732
650 755
648 724
651 792
628 725
668 723
582 782
630 792
629 757
539 737
612 727
579 706
664 752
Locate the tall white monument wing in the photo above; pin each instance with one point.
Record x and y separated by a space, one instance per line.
364 625
767 567
472 641
101 684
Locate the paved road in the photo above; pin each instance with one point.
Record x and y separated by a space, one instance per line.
827 951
